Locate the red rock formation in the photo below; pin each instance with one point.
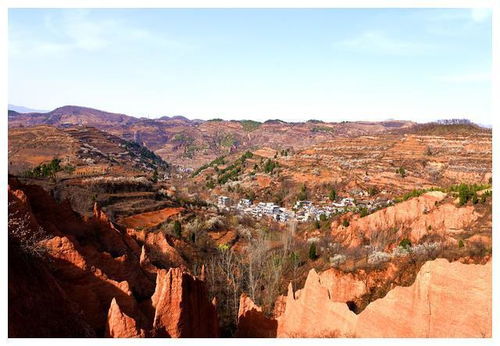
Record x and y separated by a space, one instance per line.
159 249
311 313
343 287
252 322
96 272
446 300
182 308
120 325
414 219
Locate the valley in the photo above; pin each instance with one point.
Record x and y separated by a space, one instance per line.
170 227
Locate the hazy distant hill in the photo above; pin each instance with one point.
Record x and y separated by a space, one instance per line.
21 109
194 142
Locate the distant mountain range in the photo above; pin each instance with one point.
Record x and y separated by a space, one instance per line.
21 109
192 143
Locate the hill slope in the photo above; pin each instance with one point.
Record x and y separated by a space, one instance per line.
192 143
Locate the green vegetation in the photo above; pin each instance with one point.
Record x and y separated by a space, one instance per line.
372 191
467 192
223 247
145 153
210 183
177 228
401 171
250 125
270 165
48 169
214 163
232 171
227 140
405 244
322 218
460 243
302 196
363 212
332 195
154 178
317 225
416 193
312 251
345 223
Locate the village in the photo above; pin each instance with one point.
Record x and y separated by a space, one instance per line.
302 211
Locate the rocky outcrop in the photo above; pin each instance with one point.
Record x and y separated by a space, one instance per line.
252 323
181 305
89 277
158 249
343 287
446 300
120 325
311 313
414 219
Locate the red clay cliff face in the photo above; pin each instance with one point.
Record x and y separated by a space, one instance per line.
91 279
182 308
120 325
446 300
310 312
252 323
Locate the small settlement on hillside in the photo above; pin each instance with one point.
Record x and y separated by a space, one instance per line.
302 211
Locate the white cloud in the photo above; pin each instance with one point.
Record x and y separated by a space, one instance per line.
379 43
80 30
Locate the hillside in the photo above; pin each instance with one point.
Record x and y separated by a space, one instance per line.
380 165
192 143
86 149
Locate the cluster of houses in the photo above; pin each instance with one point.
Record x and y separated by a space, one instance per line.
257 210
303 211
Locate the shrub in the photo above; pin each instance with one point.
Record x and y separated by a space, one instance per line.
270 165
322 217
465 193
460 243
345 223
405 243
302 196
312 251
372 191
45 169
332 195
317 225
401 171
364 212
177 228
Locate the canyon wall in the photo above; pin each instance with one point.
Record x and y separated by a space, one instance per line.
71 276
446 300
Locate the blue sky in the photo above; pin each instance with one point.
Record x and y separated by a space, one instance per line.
292 64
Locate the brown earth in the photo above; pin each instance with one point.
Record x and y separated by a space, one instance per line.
149 219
